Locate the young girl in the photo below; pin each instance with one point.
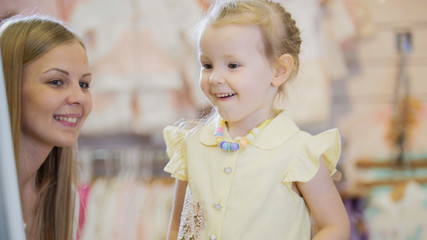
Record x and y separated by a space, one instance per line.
248 172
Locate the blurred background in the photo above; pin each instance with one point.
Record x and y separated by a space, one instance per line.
363 71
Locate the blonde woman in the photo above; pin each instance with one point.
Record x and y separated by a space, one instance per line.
47 79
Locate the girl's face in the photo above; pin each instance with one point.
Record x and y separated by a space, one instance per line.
55 96
235 74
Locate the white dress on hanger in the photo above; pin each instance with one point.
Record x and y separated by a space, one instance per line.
401 220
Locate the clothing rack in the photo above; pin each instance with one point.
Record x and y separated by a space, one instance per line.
127 156
401 109
365 163
388 182
399 168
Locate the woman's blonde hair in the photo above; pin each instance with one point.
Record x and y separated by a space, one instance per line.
278 29
23 40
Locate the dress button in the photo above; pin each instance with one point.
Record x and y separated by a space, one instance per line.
227 170
217 206
212 237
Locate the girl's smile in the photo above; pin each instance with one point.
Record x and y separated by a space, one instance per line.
225 95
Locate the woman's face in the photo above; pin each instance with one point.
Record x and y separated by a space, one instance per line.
55 96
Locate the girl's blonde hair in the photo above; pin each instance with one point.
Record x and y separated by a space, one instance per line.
278 29
23 40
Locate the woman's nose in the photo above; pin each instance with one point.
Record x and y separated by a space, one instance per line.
76 95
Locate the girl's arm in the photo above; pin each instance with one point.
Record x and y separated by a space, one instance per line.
178 202
326 206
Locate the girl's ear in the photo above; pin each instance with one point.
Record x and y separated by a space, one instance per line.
283 67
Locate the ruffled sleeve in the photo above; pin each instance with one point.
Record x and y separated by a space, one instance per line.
305 163
174 138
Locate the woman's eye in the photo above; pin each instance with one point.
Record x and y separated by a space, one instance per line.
56 82
233 65
84 85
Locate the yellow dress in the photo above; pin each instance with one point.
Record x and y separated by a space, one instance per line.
247 194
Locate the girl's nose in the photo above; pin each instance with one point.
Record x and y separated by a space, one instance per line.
216 78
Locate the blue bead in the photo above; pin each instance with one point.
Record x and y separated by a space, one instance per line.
218 134
226 146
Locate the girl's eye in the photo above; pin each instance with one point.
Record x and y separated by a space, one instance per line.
84 85
207 66
233 65
56 82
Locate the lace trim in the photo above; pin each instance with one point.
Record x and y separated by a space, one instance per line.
193 220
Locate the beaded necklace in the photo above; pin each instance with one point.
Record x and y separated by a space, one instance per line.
239 142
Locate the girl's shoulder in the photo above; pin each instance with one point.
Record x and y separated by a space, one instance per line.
185 129
306 161
177 139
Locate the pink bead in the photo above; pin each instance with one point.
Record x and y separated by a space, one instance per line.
219 129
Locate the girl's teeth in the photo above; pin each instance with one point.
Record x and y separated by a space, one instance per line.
225 95
66 119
